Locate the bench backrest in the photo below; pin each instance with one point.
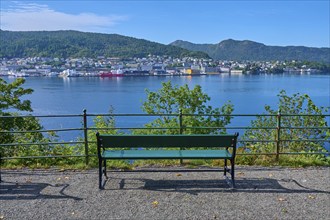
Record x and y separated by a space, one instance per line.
166 141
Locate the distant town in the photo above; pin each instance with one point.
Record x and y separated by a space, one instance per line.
149 66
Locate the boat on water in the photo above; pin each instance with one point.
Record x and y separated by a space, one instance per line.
113 73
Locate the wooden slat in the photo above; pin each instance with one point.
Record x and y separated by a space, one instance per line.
166 141
166 154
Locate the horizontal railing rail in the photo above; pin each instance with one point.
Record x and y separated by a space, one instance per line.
278 140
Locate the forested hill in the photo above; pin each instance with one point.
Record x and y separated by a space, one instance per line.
81 44
249 50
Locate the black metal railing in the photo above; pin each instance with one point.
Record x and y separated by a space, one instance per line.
181 129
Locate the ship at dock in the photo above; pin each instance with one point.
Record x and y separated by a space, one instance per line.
113 73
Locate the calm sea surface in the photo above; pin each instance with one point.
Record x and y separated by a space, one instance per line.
248 93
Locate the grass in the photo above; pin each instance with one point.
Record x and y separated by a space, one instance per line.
260 160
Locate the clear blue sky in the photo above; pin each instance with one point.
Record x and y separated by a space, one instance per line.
280 23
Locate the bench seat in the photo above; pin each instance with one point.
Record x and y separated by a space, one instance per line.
166 154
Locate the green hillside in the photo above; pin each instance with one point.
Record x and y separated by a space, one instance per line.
81 44
249 50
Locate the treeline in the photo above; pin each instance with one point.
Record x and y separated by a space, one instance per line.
286 66
322 67
75 44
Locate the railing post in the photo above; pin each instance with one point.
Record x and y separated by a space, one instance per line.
0 167
180 122
278 135
181 130
86 137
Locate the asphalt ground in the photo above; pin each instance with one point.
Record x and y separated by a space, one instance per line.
167 193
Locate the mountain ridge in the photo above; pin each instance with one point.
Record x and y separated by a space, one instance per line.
249 50
71 43
83 44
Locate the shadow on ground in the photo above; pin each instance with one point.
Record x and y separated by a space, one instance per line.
248 185
23 191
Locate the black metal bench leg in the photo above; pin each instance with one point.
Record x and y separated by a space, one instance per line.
225 168
105 169
100 174
232 172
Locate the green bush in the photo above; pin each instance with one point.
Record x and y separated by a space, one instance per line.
296 112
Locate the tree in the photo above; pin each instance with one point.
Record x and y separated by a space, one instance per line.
11 124
10 96
193 105
297 111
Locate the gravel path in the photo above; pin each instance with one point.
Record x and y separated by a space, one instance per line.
169 193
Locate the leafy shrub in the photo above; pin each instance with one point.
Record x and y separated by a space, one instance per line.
299 120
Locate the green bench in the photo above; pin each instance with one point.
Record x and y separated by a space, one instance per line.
134 147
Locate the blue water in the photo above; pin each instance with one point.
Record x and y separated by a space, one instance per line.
248 93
